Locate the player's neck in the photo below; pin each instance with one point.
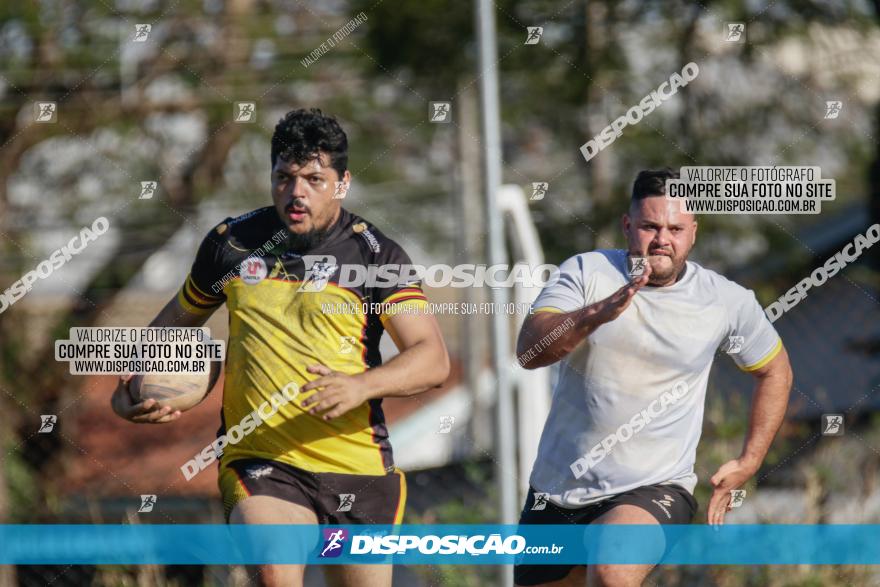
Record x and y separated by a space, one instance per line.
335 221
681 273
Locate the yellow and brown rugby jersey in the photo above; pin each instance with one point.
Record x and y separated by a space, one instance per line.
284 315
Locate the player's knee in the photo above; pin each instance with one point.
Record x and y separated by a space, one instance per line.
278 576
615 576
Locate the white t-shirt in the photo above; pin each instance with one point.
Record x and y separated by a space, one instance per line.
627 409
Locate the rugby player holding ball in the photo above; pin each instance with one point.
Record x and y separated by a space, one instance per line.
324 457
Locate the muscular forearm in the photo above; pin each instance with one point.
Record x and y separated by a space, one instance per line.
417 369
548 337
768 410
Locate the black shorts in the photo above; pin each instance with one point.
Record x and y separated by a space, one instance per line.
677 506
334 497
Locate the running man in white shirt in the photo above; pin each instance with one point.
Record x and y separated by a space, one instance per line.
620 441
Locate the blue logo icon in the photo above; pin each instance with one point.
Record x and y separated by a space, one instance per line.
333 541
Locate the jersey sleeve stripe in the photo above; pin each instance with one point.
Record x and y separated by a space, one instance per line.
194 293
406 299
188 307
207 298
403 295
193 303
547 310
199 303
769 357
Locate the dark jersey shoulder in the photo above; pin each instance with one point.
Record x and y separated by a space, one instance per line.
251 231
260 234
376 245
224 248
382 252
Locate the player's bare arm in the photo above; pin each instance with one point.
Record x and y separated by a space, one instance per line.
770 400
150 411
423 363
586 321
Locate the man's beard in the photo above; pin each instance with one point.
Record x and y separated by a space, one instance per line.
301 243
673 273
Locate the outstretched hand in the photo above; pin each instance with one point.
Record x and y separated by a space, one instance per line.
731 475
615 304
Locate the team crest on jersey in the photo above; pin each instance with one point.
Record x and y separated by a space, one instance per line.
319 270
253 270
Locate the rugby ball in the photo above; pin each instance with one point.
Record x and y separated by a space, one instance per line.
179 391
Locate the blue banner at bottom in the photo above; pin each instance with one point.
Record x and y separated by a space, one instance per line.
440 544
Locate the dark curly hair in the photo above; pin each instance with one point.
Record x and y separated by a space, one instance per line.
303 134
652 182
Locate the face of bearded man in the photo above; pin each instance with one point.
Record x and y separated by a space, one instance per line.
303 198
656 228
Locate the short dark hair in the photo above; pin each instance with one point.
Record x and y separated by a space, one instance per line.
651 182
302 134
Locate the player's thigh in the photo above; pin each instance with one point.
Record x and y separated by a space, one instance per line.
357 575
624 575
576 577
264 509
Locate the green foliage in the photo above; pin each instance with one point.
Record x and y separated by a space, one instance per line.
431 39
457 511
21 484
